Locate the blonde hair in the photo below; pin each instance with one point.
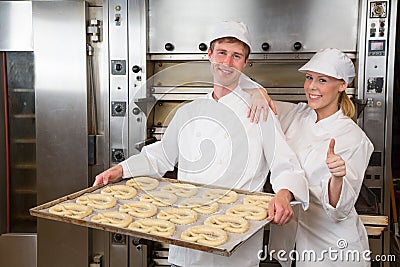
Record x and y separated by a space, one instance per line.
347 105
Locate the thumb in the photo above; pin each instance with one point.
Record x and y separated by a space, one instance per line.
271 212
272 106
96 181
331 149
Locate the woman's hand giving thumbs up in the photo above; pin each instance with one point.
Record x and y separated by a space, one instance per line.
336 165
337 168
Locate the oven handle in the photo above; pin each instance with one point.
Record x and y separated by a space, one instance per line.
146 142
360 104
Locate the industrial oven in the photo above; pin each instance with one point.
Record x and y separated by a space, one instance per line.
165 64
107 76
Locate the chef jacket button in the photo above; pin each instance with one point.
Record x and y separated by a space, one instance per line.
198 134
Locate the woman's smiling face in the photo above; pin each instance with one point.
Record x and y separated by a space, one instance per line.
323 93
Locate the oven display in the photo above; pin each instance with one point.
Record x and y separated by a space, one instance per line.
376 48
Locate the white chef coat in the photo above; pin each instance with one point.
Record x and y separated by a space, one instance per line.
215 143
322 226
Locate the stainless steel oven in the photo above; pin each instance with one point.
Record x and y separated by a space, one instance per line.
162 46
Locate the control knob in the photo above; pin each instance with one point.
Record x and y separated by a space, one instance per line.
118 67
265 46
297 46
202 46
118 108
169 47
136 69
136 111
119 156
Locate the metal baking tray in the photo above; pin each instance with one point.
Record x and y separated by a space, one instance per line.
227 249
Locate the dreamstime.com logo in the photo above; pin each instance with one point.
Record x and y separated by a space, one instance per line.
338 254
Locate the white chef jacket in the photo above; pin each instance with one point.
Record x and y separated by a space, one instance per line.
322 226
215 143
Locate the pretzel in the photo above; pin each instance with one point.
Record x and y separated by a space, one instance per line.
153 226
223 196
206 235
139 209
247 211
179 216
72 210
120 191
258 200
228 223
201 205
144 183
159 198
97 201
182 190
113 218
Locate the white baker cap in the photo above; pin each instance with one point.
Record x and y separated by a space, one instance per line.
232 29
331 62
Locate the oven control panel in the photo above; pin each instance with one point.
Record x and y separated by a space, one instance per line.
374 89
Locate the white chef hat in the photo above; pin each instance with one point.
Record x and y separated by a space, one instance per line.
232 29
331 62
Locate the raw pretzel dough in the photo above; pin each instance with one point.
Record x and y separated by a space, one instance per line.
153 226
159 198
120 191
139 209
201 205
258 200
182 190
113 218
179 216
228 223
247 211
97 201
144 183
205 235
72 210
223 196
